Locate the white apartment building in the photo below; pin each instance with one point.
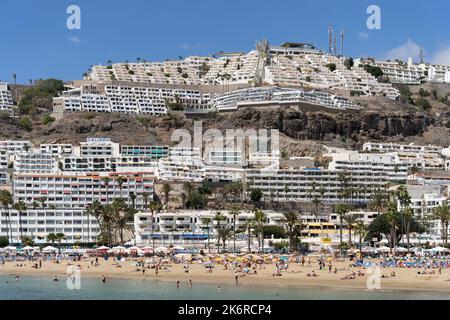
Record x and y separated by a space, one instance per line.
410 72
233 100
394 147
190 227
4 178
225 157
6 100
38 223
154 152
424 199
35 163
361 172
290 64
57 149
15 147
223 174
77 190
95 147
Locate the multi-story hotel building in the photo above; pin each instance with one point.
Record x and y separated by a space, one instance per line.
190 227
77 190
6 99
37 223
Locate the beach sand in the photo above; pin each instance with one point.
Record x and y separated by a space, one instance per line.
296 275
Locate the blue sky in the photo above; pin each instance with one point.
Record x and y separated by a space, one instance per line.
37 44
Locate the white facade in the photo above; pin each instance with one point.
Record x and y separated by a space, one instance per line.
189 227
77 190
6 100
38 223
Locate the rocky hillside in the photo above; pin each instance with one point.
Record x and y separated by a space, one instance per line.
302 132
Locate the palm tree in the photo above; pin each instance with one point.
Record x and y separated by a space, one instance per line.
341 210
119 218
405 200
224 234
361 230
442 213
106 181
154 207
235 213
408 214
51 237
378 200
120 181
20 207
60 237
350 220
248 227
207 221
260 219
218 218
121 222
291 219
133 200
145 195
166 189
95 209
6 199
392 215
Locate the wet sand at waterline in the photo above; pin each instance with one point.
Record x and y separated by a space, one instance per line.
296 275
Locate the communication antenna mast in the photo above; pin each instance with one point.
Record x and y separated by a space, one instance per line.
421 55
334 46
330 39
342 43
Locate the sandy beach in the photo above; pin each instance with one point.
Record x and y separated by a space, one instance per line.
296 275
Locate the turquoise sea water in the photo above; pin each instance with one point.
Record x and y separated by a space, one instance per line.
39 288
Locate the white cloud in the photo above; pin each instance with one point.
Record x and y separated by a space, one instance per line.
442 56
74 39
363 35
404 51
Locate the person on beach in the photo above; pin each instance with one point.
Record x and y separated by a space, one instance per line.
190 283
55 278
178 284
219 289
143 272
236 278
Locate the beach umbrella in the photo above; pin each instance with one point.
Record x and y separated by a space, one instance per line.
383 249
161 249
103 248
178 248
10 248
118 248
367 249
134 248
49 249
27 248
439 249
400 249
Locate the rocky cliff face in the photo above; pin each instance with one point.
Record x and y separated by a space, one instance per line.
335 129
320 125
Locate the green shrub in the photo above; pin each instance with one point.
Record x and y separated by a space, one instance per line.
47 119
26 123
